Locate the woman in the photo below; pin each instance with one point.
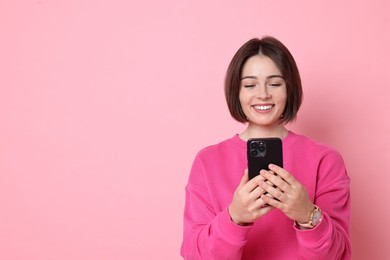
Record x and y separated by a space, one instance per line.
301 211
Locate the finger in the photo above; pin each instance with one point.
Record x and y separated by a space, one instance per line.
287 177
244 178
275 180
251 185
271 201
258 177
279 189
266 209
260 203
274 192
256 193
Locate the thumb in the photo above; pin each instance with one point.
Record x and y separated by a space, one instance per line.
245 178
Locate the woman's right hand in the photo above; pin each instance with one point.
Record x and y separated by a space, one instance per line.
247 206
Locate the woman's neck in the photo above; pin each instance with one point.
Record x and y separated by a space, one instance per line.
255 131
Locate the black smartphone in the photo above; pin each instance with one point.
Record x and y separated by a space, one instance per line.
261 152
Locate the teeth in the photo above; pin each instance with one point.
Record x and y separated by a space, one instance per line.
263 107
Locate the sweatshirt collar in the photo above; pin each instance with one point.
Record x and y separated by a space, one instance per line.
240 144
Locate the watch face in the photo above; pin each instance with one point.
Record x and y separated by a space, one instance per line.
316 217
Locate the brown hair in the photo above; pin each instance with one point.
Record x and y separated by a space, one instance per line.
281 56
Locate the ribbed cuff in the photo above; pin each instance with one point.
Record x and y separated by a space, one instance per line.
312 236
232 231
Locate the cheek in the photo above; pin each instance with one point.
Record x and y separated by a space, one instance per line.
244 95
244 103
283 103
283 97
241 98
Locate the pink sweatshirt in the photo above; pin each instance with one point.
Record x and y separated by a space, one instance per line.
217 170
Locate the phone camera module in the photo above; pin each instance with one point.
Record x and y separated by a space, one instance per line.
258 148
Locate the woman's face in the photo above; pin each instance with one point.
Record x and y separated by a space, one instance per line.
263 93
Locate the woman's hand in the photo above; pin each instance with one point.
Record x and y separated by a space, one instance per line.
288 194
247 204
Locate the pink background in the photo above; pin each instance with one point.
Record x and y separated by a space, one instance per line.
104 104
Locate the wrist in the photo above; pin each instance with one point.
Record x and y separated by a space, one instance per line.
235 219
232 216
306 218
314 219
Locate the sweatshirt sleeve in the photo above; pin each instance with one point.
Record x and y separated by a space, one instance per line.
208 234
330 239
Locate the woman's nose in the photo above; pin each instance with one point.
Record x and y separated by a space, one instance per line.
262 92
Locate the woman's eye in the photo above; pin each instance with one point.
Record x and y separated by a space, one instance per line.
275 84
249 85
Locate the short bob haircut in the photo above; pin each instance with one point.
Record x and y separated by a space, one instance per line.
281 56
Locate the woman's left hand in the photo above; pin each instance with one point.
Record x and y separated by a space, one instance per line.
288 195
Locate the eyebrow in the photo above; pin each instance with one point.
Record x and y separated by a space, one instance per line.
268 77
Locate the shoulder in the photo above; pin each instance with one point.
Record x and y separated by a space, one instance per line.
319 153
222 148
306 144
213 160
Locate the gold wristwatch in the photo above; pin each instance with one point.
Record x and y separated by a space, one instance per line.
315 218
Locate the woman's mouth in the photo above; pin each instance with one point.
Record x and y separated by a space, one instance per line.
263 107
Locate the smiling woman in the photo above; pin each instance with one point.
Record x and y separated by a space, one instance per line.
300 211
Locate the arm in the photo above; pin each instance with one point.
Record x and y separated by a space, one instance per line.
329 239
208 234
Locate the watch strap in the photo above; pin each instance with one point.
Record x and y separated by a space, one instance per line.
310 223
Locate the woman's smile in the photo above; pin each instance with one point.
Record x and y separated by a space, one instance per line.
263 108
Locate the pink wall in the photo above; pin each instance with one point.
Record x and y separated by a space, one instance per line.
103 105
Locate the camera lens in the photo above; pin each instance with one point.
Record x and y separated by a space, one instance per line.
254 152
261 146
254 145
